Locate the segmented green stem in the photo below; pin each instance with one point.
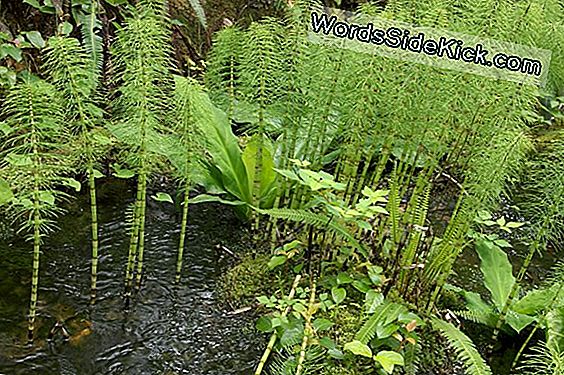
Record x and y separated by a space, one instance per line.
94 227
273 337
182 235
308 331
142 215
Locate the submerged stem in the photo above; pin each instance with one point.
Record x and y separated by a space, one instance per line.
182 234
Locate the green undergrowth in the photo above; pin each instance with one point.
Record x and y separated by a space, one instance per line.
249 278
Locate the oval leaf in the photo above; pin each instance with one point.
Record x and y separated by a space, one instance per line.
338 294
388 359
162 197
358 348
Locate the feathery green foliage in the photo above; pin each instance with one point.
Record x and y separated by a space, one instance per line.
465 349
143 75
71 72
34 166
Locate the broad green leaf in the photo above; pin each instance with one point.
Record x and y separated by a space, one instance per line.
12 51
408 317
484 215
502 243
361 286
123 173
97 174
497 271
338 294
73 184
388 359
35 39
47 197
6 194
335 353
518 321
375 274
267 173
33 3
65 28
513 224
358 348
344 278
264 324
226 170
384 331
292 331
288 174
276 261
204 198
474 302
263 299
372 300
327 343
162 197
534 301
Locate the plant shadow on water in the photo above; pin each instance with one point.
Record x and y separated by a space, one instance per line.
169 329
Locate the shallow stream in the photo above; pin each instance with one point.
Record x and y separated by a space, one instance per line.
169 329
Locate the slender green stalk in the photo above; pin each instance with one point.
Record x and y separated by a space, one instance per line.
141 244
273 337
182 235
35 272
308 331
75 75
94 227
133 241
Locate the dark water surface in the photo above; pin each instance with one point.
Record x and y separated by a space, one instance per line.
169 329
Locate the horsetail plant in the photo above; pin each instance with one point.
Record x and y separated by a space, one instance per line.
190 108
34 166
142 72
71 72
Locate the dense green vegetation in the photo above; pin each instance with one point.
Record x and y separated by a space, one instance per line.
362 179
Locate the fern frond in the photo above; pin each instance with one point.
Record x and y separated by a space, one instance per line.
199 10
316 220
480 317
464 347
90 29
384 314
543 360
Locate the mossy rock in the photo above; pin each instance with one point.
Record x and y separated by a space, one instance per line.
248 279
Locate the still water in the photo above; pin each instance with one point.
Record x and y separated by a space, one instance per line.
169 329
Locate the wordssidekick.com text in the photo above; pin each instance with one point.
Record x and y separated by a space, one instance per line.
441 47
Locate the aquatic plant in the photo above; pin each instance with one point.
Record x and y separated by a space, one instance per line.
71 71
190 109
34 166
142 71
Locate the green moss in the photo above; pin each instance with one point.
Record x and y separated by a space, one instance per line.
337 370
244 282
